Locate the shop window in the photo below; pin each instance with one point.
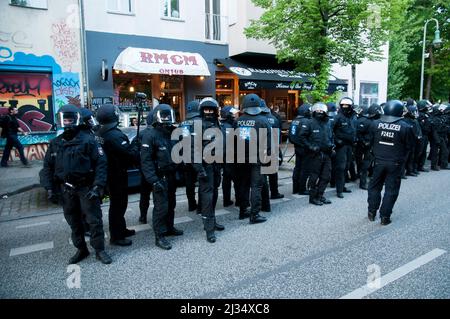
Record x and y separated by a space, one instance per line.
121 6
127 84
171 9
225 91
368 94
38 4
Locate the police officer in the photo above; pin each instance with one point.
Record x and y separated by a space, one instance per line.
145 187
228 122
88 121
209 170
250 171
158 169
391 140
362 150
428 132
411 116
275 124
192 116
332 112
78 164
299 177
317 140
344 137
120 154
438 147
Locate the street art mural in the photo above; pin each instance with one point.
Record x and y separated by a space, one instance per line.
31 93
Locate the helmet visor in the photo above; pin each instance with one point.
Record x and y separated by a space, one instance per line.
68 119
165 117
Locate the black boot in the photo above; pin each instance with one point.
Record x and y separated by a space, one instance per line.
174 232
277 196
103 257
192 206
256 219
227 203
243 214
211 237
79 256
162 243
129 232
385 221
219 227
371 216
325 201
120 242
315 201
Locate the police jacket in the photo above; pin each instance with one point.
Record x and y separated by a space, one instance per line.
439 123
9 124
256 123
316 134
156 148
120 153
363 131
211 129
80 162
416 128
295 129
391 140
344 129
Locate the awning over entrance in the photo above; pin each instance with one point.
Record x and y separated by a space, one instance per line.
154 61
254 78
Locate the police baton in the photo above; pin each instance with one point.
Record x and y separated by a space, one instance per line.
140 98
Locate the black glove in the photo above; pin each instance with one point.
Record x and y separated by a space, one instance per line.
95 192
158 186
202 175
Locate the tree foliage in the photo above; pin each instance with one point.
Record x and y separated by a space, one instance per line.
316 33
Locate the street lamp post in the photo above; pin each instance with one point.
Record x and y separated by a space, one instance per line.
436 42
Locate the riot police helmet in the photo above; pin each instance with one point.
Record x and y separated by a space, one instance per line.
252 104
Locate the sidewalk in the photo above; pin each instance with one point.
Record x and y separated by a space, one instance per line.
22 196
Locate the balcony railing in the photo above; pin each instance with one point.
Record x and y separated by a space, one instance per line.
216 27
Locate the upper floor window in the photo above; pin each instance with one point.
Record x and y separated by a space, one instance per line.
213 23
121 6
39 4
368 94
172 9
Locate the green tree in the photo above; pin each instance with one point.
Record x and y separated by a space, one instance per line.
316 33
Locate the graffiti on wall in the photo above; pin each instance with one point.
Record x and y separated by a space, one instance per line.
67 89
65 44
31 93
32 152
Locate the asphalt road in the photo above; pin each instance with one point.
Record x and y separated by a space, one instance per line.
302 251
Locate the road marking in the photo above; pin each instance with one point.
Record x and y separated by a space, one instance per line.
139 228
32 225
31 248
183 219
395 274
220 212
280 200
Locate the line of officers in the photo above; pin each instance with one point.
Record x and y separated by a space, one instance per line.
89 158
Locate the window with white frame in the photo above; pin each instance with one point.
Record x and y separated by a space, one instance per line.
368 94
171 9
212 20
121 6
39 4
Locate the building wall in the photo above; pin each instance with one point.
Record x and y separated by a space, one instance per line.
45 41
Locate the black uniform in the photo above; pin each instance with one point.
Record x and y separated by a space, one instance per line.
190 174
391 142
250 171
438 148
344 128
157 167
275 124
428 135
145 187
362 152
229 169
78 165
120 155
317 139
10 129
411 168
